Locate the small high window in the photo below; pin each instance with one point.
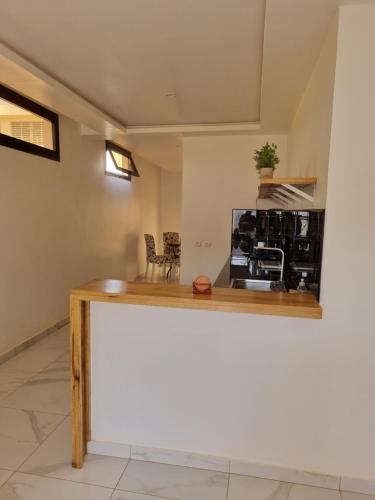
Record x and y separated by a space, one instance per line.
28 126
119 162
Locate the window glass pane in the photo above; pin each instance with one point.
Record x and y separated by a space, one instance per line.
123 161
22 124
110 167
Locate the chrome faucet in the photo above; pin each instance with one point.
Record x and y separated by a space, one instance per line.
282 257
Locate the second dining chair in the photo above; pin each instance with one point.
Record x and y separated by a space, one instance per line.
170 236
153 258
174 251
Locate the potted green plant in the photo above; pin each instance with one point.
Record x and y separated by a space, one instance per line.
266 160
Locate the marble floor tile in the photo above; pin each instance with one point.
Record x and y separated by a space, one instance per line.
173 481
4 476
300 492
48 391
53 459
252 488
65 357
10 380
57 340
347 495
284 474
128 495
32 360
28 487
163 456
21 432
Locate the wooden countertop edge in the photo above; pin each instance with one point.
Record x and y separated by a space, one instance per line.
224 301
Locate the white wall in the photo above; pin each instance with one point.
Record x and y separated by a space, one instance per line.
302 390
310 133
218 172
218 175
63 224
348 276
170 200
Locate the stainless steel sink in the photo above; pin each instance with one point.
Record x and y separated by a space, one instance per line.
256 285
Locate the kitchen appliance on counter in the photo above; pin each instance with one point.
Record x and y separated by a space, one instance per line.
296 236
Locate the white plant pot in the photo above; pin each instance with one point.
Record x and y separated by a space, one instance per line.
265 173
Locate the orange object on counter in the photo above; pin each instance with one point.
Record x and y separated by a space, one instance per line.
202 284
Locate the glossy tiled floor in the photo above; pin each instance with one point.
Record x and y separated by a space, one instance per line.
35 448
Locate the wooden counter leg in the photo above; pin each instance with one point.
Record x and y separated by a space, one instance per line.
87 368
80 379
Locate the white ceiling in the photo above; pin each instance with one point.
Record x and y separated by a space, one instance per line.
157 62
147 61
164 150
294 33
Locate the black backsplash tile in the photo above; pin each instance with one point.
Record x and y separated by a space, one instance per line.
298 232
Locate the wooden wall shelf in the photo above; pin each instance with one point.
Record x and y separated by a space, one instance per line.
286 189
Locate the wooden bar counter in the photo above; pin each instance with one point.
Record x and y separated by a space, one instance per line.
159 295
221 299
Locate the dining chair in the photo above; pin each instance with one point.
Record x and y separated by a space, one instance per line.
173 237
153 258
175 252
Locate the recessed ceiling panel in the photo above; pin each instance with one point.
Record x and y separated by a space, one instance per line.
164 150
147 62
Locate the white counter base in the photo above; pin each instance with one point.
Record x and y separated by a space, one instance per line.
219 464
251 394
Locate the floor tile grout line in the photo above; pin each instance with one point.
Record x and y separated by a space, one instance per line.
290 489
26 381
29 456
36 411
62 479
59 478
149 494
72 480
229 476
291 483
287 482
179 465
160 463
227 495
9 478
51 363
34 374
242 475
40 444
122 473
116 487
